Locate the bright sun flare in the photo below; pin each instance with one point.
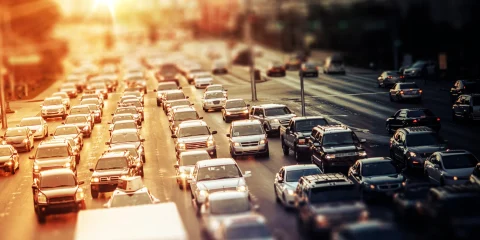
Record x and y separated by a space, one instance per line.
108 3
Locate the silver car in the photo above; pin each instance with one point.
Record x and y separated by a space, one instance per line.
162 88
194 135
450 167
213 100
286 181
21 138
235 108
272 116
405 91
53 107
65 98
253 226
247 137
37 125
186 163
69 131
202 80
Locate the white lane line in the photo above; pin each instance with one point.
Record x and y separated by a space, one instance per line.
349 94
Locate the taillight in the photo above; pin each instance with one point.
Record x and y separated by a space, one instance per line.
389 76
401 92
438 119
420 91
415 120
402 76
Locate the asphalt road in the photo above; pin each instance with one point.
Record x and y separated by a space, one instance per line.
352 99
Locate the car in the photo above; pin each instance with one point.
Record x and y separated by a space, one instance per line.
69 131
335 146
94 96
180 115
411 146
215 175
130 192
57 191
467 107
53 154
214 88
219 67
413 117
389 78
65 98
202 80
162 88
186 163
190 74
334 64
172 95
83 122
53 107
81 110
140 83
377 177
74 146
286 181
327 201
9 159
194 135
368 229
419 69
276 69
222 205
137 152
136 103
21 138
129 110
109 169
244 227
122 117
247 137
475 176
174 104
94 101
37 125
126 136
138 95
124 124
272 116
309 70
99 88
450 167
404 203
78 79
464 87
213 100
70 89
294 136
405 91
125 98
234 109
293 63
97 113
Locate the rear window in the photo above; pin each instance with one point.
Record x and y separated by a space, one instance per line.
175 96
420 113
409 85
459 161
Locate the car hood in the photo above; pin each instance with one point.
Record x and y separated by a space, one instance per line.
35 127
52 107
15 139
428 149
460 172
281 117
109 172
52 162
60 192
187 168
250 138
5 158
343 208
137 144
394 178
222 217
201 138
221 183
291 185
65 136
241 109
341 148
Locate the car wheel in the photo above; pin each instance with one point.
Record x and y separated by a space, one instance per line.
227 120
277 199
94 194
144 159
64 117
285 149
158 103
266 154
265 127
142 174
77 159
41 218
13 170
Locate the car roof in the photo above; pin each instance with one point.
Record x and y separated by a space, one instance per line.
216 162
31 118
214 85
414 109
113 154
167 83
334 128
79 106
125 131
246 122
52 144
122 115
227 194
67 125
174 91
125 121
123 192
245 220
78 115
216 91
420 129
17 128
192 123
270 105
122 146
49 98
56 171
235 99
300 167
184 109
193 152
375 160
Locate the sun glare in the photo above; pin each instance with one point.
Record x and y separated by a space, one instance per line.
108 3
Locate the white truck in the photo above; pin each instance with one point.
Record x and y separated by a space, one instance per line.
146 222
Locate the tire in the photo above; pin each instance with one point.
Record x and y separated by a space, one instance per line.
41 218
142 174
158 103
277 199
297 155
13 170
77 160
228 120
144 159
64 117
267 154
265 127
285 149
94 194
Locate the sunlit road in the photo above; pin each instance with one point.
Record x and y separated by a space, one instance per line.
351 99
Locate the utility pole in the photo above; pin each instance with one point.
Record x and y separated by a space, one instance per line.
2 85
249 40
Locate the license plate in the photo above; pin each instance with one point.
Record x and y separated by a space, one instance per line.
216 102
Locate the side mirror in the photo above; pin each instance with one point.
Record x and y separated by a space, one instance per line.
228 135
176 166
379 78
51 134
31 157
187 97
363 140
247 174
63 122
155 90
111 114
142 140
156 201
179 87
214 132
81 182
109 122
279 179
91 169
174 136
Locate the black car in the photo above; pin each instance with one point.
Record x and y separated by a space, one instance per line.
413 118
368 230
464 87
57 191
411 146
467 107
405 202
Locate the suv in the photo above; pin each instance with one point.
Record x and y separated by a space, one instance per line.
53 107
295 134
182 114
57 191
162 88
53 154
194 135
326 201
335 146
110 168
450 167
172 95
247 137
464 87
272 116
234 108
411 146
413 117
467 107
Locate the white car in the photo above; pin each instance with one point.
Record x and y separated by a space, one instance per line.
65 98
215 87
286 181
202 80
37 125
213 100
131 192
53 107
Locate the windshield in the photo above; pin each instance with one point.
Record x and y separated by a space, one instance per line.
419 64
408 86
136 199
459 161
125 125
247 232
50 152
51 102
57 180
420 113
334 194
423 139
308 125
378 169
5 151
214 95
175 96
277 111
163 87
125 137
136 94
235 104
215 88
80 110
75 119
295 175
121 118
229 206
218 172
247 130
182 116
193 131
179 103
111 163
16 132
339 138
132 150
30 122
126 110
66 130
192 159
134 103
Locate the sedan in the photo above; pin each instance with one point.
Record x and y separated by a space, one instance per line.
9 159
405 91
65 98
83 122
413 118
126 136
19 138
309 70
389 78
213 100
37 125
135 152
125 124
69 131
450 167
235 109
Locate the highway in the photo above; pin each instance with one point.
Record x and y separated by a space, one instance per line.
353 100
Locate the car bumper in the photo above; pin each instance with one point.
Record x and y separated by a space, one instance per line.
460 181
57 114
212 151
18 145
220 70
213 106
58 208
202 84
104 187
237 115
289 200
374 193
403 96
250 150
343 161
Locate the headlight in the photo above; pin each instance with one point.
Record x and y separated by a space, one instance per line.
372 186
9 162
203 193
275 121
228 113
404 184
362 154
41 198
210 143
123 177
412 154
183 175
245 111
329 156
67 165
321 221
242 188
80 195
94 180
4 142
455 178
236 144
263 141
301 141
25 140
35 167
181 146
290 192
85 128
